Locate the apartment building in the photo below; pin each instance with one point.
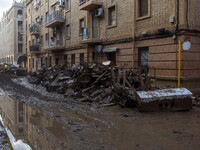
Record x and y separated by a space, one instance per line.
130 33
79 32
13 35
159 26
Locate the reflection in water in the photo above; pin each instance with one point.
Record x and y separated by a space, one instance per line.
30 125
14 117
105 129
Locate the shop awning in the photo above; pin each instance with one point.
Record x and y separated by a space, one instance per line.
107 50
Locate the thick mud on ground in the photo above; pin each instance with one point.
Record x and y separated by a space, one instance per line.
51 123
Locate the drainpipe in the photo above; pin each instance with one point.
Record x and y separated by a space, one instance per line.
179 65
177 24
133 36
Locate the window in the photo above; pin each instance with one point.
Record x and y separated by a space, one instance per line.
67 4
29 60
82 25
20 25
65 58
41 20
68 31
46 62
73 59
143 56
143 8
50 61
46 37
41 62
20 14
20 48
20 130
41 39
20 36
20 107
111 16
56 61
32 62
82 1
95 56
21 118
46 16
81 59
111 56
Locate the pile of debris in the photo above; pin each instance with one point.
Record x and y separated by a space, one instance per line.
196 101
94 83
11 69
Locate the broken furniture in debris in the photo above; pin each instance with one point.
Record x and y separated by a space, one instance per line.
107 86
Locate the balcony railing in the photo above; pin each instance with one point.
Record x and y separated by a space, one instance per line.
34 48
90 35
20 28
55 18
54 45
91 5
34 30
19 16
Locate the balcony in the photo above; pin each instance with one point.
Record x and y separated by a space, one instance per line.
56 18
91 5
20 28
90 36
34 30
54 45
34 49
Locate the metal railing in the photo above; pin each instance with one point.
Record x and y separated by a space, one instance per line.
57 15
34 48
90 33
20 28
53 43
34 28
19 16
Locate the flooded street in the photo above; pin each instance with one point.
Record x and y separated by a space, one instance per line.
94 128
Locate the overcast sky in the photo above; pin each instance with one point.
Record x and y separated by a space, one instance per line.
5 5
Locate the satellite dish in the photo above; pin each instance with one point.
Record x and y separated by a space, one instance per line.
186 45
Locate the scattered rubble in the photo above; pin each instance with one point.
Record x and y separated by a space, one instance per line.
99 83
11 69
196 101
3 138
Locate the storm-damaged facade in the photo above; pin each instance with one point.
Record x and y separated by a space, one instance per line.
13 35
130 33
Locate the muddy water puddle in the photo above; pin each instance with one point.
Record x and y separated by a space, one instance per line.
110 128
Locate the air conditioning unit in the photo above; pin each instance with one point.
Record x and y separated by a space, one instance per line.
99 12
62 3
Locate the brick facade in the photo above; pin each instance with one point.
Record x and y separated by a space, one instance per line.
158 31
